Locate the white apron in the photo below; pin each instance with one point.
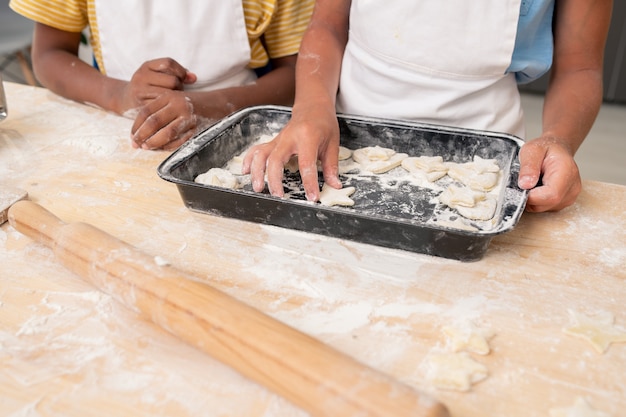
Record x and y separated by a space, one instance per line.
433 61
207 37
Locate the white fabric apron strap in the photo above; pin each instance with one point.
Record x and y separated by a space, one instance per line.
207 37
433 61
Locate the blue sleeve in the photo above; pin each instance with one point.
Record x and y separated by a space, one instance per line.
534 44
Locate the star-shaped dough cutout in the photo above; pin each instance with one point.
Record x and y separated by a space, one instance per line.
581 408
454 371
330 196
598 330
469 338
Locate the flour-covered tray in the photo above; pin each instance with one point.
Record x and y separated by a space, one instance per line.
394 209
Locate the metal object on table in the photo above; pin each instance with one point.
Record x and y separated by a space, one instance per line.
4 112
393 213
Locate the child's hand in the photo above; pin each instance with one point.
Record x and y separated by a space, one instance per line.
153 78
551 161
166 122
312 134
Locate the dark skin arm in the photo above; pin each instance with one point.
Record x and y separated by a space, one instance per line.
313 132
571 104
165 115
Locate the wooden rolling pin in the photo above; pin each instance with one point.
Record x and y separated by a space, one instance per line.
303 370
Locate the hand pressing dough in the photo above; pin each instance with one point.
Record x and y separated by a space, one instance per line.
430 167
330 196
480 174
469 338
454 371
378 160
581 408
599 330
218 177
470 204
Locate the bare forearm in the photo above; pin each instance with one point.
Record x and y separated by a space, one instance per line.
70 77
276 87
571 106
321 53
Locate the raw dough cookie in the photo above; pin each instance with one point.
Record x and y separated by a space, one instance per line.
333 197
218 177
431 167
454 371
581 408
377 159
599 330
480 174
344 153
469 338
470 204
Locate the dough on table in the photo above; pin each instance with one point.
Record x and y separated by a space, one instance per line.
454 371
377 159
430 167
480 174
218 177
474 205
330 196
598 330
468 337
581 408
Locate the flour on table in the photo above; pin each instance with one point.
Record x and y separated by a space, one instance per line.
581 408
598 330
468 337
377 159
218 177
330 196
454 371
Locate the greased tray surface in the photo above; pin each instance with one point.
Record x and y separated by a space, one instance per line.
390 210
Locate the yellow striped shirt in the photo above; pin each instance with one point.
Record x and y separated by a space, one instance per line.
281 23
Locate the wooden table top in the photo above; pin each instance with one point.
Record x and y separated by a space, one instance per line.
67 349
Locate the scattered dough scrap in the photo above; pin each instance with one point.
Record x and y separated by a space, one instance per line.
581 408
474 205
235 165
469 338
218 177
599 330
480 174
333 197
344 153
377 159
431 167
454 371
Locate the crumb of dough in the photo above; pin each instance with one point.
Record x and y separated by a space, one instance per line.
330 196
377 159
468 337
344 153
161 261
480 174
581 408
235 165
218 177
454 371
598 330
474 205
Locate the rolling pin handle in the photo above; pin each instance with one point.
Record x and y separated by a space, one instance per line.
35 222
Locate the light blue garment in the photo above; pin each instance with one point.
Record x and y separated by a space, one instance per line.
532 56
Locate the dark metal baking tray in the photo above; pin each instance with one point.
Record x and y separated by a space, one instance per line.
388 210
